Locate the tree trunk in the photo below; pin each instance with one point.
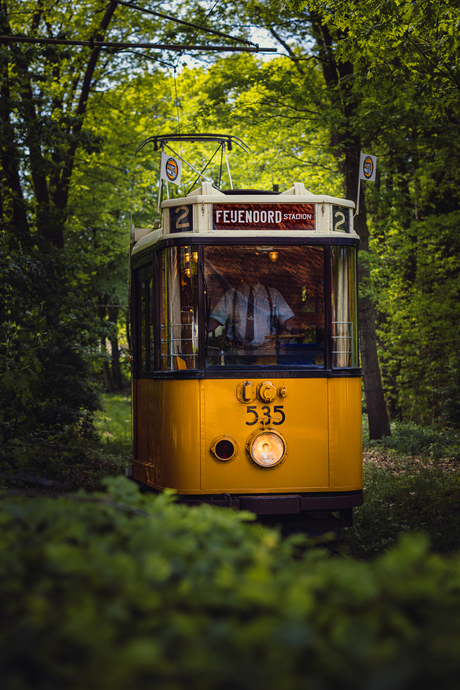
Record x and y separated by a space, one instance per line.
110 388
379 424
338 77
62 191
102 312
116 371
128 330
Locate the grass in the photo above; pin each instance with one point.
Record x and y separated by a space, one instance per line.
69 461
112 453
113 423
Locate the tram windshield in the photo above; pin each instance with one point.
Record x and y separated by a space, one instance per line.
265 306
281 305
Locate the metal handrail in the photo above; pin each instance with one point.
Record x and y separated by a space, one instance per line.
348 337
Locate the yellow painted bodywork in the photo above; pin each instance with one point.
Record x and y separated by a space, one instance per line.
176 422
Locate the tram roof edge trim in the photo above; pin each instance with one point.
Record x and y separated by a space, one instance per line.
218 198
146 240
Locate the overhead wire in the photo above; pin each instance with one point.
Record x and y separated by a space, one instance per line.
177 99
200 27
192 40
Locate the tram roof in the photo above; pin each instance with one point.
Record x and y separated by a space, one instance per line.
209 194
242 214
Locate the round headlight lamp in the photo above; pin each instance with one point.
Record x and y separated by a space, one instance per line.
267 449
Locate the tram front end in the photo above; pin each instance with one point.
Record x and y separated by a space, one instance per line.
246 383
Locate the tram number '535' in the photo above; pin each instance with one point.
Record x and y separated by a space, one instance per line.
266 418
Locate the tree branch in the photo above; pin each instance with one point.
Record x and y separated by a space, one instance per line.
288 49
13 205
62 191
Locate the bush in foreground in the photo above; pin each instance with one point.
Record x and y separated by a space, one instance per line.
124 591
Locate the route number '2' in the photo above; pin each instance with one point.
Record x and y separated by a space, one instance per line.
181 222
341 219
181 219
267 418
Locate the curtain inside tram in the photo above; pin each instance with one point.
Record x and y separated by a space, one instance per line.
179 311
344 311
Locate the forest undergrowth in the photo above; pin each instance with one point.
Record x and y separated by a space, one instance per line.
110 452
411 484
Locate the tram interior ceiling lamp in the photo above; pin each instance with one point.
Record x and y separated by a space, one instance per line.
186 266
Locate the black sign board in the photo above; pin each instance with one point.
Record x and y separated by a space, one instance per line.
341 219
181 218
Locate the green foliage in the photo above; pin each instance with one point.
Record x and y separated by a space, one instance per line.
48 386
248 96
125 591
421 37
404 78
409 438
418 335
411 481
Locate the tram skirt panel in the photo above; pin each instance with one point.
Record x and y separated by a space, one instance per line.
172 434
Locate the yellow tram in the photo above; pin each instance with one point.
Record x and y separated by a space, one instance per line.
246 384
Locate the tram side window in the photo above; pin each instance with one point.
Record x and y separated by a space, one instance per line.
344 308
145 318
265 306
179 308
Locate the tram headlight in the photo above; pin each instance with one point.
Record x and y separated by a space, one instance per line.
267 449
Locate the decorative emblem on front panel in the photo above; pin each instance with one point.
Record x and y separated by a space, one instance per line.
266 392
246 392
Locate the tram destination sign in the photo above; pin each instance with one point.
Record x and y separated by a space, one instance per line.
263 216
